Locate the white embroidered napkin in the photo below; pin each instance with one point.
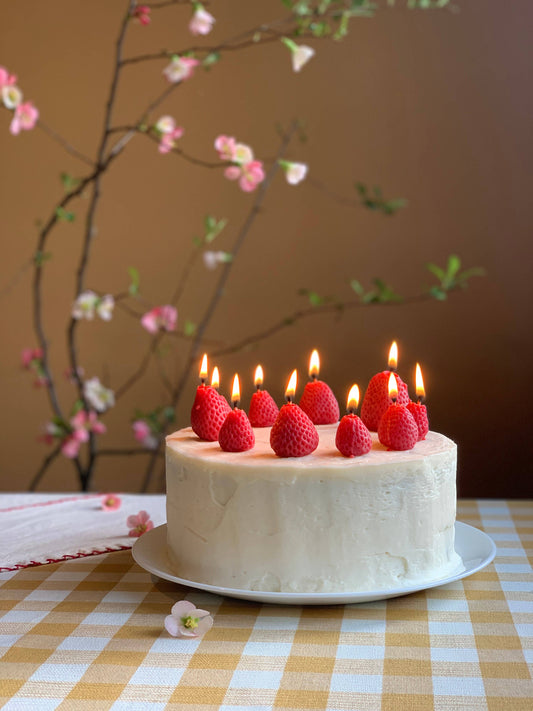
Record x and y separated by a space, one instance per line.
45 528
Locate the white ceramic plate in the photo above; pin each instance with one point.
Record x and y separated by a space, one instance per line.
474 547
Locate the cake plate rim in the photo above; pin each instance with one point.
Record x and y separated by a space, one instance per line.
475 548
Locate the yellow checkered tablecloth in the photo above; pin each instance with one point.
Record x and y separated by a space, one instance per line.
88 634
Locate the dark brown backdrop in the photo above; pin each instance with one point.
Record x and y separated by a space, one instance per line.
433 106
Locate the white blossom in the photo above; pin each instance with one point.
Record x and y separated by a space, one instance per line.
98 396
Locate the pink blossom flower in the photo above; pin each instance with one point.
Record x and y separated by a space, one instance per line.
186 620
248 175
180 68
110 502
243 154
294 172
202 21
70 447
139 524
85 422
225 145
6 79
29 355
144 435
141 13
25 118
166 124
168 140
160 318
11 96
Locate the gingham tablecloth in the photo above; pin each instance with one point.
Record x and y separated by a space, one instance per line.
88 634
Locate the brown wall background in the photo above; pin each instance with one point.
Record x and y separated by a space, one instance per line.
433 106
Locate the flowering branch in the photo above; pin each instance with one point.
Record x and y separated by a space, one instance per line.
308 18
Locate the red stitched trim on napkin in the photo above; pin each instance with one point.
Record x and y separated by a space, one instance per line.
33 563
49 503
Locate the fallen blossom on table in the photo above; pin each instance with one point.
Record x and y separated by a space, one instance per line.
160 318
180 69
202 21
141 14
139 524
97 395
186 620
143 434
25 118
110 502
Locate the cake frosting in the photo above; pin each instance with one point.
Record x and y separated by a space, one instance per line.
320 523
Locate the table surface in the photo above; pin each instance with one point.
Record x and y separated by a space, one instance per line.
88 634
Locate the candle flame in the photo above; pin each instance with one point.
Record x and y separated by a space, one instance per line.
393 387
393 355
203 367
215 378
258 377
353 398
291 387
236 390
420 390
314 364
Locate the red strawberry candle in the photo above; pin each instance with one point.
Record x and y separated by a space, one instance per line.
293 434
236 433
353 438
417 409
263 410
318 401
376 399
209 409
397 428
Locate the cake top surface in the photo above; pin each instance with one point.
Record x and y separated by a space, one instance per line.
187 444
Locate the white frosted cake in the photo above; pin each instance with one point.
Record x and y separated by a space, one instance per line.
320 523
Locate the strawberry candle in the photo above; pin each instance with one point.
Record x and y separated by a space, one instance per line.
417 409
263 409
293 434
353 438
236 433
209 408
376 399
318 401
397 428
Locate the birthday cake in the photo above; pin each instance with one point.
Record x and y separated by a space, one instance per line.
318 523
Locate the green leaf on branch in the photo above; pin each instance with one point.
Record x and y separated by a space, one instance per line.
381 293
374 200
133 288
211 59
451 277
213 228
314 298
65 215
41 257
189 328
69 182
